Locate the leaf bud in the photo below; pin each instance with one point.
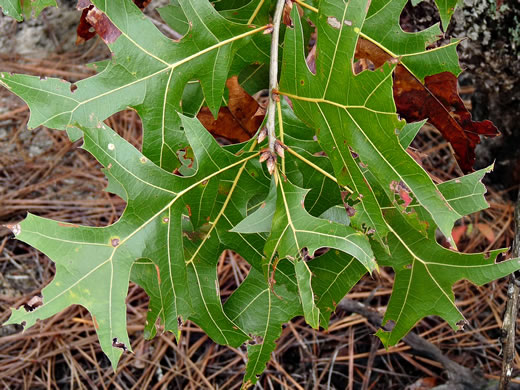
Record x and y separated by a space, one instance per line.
279 149
262 134
265 155
271 164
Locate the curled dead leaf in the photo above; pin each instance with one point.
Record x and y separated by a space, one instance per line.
436 99
237 122
93 21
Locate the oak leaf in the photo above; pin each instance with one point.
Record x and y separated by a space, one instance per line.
237 122
436 99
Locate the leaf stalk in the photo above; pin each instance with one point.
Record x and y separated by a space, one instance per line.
320 170
305 5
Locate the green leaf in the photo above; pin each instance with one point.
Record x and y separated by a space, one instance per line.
408 133
174 17
263 309
382 28
35 7
465 194
12 8
424 276
358 113
446 9
238 12
345 195
294 229
337 214
311 312
324 192
148 72
334 274
260 221
150 228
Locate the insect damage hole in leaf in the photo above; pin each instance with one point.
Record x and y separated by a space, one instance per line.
331 183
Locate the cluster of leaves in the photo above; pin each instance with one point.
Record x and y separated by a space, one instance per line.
345 197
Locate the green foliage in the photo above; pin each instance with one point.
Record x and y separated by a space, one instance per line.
17 9
345 199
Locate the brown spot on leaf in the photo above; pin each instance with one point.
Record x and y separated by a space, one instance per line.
33 303
114 242
117 344
333 22
402 190
351 211
158 274
72 225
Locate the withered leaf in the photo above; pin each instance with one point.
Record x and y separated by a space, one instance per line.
238 121
94 22
436 99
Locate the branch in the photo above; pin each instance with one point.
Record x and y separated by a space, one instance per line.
509 323
460 377
273 76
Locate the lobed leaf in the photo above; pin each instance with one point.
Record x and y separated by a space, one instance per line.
357 115
148 72
344 198
424 277
94 264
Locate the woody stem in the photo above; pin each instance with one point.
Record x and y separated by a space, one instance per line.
273 76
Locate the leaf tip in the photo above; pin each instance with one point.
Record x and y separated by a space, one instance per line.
384 336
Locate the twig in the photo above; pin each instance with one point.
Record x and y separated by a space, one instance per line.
460 377
509 324
273 76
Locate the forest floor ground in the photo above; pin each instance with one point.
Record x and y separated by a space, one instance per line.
42 172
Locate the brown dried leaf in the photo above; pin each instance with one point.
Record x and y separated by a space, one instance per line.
286 15
436 100
458 232
94 22
237 122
